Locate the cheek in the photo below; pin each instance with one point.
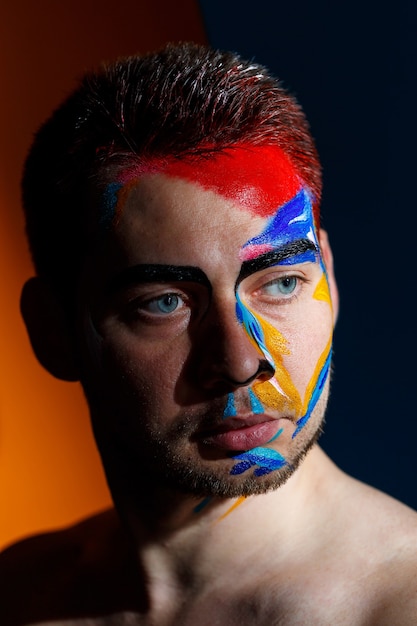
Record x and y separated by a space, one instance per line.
143 366
279 392
310 351
157 375
300 351
122 370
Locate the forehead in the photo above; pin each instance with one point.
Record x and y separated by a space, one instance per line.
238 204
259 179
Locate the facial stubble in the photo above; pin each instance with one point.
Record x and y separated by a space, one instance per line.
165 464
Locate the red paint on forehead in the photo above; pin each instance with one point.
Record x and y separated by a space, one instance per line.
259 178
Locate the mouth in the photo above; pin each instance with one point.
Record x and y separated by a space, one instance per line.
244 433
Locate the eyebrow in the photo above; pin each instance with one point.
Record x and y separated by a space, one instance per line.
275 257
157 273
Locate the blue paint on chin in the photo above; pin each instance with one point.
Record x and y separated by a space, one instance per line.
241 467
267 461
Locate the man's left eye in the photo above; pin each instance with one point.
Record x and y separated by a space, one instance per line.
284 286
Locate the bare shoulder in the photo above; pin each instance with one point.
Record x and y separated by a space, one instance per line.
355 558
372 550
388 526
63 574
388 533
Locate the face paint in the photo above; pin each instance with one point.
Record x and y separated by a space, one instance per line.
258 178
279 389
291 223
260 181
204 503
286 231
108 205
264 459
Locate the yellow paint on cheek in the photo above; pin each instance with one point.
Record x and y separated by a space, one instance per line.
317 370
275 341
321 291
283 395
278 393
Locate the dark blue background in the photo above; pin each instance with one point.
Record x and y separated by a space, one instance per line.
353 68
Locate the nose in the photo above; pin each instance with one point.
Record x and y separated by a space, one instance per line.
228 357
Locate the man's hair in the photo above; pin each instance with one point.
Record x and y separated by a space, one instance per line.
183 100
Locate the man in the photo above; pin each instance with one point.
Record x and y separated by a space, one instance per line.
172 207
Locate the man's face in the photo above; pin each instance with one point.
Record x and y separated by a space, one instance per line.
208 326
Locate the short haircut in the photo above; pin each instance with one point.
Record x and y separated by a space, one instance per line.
183 100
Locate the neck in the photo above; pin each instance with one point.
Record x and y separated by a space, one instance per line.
162 515
181 551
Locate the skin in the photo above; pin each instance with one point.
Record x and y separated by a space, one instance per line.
198 347
321 549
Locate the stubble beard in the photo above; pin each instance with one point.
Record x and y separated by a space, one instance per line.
165 465
203 482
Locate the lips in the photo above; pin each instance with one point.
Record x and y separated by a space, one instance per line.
245 433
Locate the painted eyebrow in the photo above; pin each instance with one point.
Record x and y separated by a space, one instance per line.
157 273
274 257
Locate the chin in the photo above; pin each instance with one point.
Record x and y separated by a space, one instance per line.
137 475
205 481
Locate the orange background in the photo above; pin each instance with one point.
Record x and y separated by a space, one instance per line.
50 473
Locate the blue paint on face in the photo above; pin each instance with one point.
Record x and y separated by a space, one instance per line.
256 404
267 461
253 328
281 430
109 204
315 395
291 222
230 408
202 505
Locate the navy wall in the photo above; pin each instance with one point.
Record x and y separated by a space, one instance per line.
353 68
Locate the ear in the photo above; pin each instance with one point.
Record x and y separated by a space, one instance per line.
48 329
328 261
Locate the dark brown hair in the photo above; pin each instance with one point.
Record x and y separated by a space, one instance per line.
182 100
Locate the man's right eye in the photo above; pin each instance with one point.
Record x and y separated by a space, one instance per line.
163 305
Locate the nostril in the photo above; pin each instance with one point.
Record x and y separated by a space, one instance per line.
228 358
264 372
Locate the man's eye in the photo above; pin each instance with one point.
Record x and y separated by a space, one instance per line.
284 286
168 303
